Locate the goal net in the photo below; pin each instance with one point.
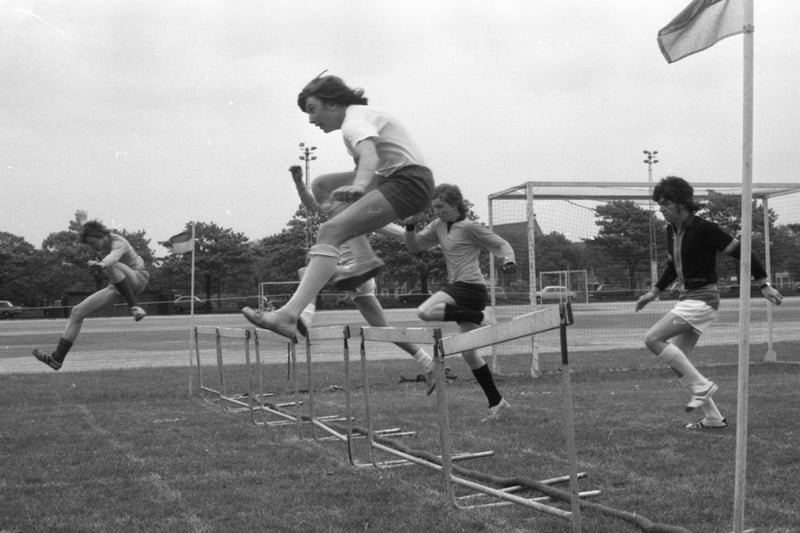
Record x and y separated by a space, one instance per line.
604 242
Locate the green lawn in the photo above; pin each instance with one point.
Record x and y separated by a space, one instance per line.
129 450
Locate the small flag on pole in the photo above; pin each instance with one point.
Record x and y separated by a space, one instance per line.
181 243
699 26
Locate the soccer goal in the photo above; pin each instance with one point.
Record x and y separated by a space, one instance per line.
604 242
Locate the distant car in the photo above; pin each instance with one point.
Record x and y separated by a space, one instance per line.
555 293
9 310
606 292
184 304
343 300
414 297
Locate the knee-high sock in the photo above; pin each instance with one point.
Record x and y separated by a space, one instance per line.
687 374
125 290
324 258
61 350
486 381
710 411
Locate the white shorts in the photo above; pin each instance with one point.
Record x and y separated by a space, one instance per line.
698 314
365 289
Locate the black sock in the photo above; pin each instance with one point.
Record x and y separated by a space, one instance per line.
61 350
486 381
126 292
453 313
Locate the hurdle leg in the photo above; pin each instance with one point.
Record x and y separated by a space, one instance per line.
565 312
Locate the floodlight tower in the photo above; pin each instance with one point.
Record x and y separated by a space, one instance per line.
307 155
650 161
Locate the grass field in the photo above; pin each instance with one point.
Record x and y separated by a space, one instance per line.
129 450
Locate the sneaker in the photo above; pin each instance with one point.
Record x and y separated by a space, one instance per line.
494 411
430 382
699 398
47 359
138 313
707 424
489 317
349 277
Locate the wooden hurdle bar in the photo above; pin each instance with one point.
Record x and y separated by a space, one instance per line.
523 326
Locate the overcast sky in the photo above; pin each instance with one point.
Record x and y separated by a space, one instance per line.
151 113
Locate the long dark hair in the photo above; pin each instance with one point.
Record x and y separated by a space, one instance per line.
678 191
330 89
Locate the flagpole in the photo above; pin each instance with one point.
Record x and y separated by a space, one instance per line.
744 273
191 317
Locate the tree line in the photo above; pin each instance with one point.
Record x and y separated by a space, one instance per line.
228 263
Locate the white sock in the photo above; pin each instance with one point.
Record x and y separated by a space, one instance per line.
710 411
308 314
424 360
688 375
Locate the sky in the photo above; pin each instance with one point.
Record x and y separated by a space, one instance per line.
149 113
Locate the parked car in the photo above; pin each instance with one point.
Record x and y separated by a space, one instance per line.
607 292
555 293
414 297
343 300
9 310
183 304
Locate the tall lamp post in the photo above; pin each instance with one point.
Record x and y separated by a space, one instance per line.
307 155
650 161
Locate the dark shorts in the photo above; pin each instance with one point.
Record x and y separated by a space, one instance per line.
409 190
468 295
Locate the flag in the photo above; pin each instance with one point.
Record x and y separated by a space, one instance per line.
699 26
180 243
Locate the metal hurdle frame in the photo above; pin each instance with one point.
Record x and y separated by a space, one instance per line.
422 335
221 395
283 418
526 325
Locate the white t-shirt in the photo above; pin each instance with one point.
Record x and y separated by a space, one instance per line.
395 147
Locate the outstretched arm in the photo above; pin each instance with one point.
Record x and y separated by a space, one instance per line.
305 195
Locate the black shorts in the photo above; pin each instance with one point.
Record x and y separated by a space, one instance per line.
469 295
408 189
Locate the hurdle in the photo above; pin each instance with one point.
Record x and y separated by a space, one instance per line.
417 335
526 325
227 401
279 416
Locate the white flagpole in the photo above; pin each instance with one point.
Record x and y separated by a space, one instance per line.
744 273
191 318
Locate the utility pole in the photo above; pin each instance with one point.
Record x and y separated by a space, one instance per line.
650 161
307 155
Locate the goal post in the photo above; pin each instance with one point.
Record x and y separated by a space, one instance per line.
275 293
553 228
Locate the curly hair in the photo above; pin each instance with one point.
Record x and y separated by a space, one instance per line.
330 89
451 194
93 228
678 191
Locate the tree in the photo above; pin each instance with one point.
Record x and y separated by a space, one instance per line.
20 266
623 242
223 261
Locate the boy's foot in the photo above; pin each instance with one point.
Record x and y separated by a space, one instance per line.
138 313
495 410
47 359
704 423
270 321
430 383
701 397
349 277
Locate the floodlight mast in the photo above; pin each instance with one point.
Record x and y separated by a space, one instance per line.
650 161
307 155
